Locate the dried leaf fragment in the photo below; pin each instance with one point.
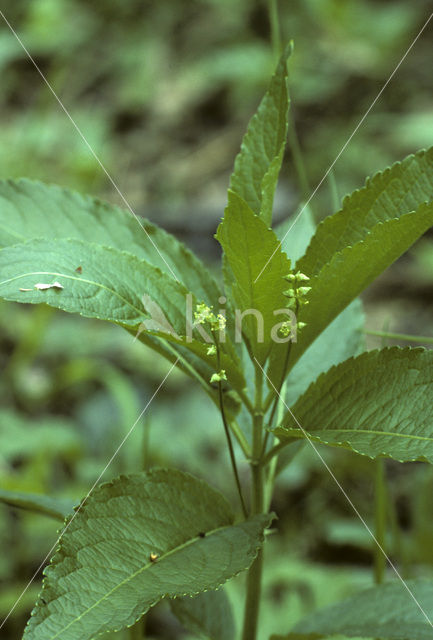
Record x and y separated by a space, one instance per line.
42 286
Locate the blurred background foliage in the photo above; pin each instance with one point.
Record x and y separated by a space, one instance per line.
162 92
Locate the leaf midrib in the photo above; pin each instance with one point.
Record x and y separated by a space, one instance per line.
83 280
372 431
135 574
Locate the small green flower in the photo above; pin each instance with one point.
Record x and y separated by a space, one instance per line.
203 314
296 277
222 321
211 351
218 377
290 293
296 294
303 291
286 329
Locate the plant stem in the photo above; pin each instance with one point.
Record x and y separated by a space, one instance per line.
273 452
247 402
240 437
380 520
277 393
231 451
270 480
275 28
227 432
399 336
254 578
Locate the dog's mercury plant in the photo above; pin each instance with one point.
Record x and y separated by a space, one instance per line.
165 534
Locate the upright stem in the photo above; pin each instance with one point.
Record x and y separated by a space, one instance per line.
228 436
270 480
275 28
380 520
231 451
278 397
254 578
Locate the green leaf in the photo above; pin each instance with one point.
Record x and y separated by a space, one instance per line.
208 615
30 209
103 576
248 244
258 164
378 404
387 611
390 194
342 339
350 249
110 285
353 269
54 507
295 233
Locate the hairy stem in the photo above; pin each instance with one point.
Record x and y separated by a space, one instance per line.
254 578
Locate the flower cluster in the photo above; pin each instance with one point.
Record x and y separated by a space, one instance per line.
204 314
298 291
296 295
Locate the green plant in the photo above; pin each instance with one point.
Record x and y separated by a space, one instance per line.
163 533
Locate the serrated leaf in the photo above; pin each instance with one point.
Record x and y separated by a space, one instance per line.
296 232
248 244
353 269
258 164
350 249
389 194
378 404
54 507
136 540
31 209
388 611
208 615
342 339
109 286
